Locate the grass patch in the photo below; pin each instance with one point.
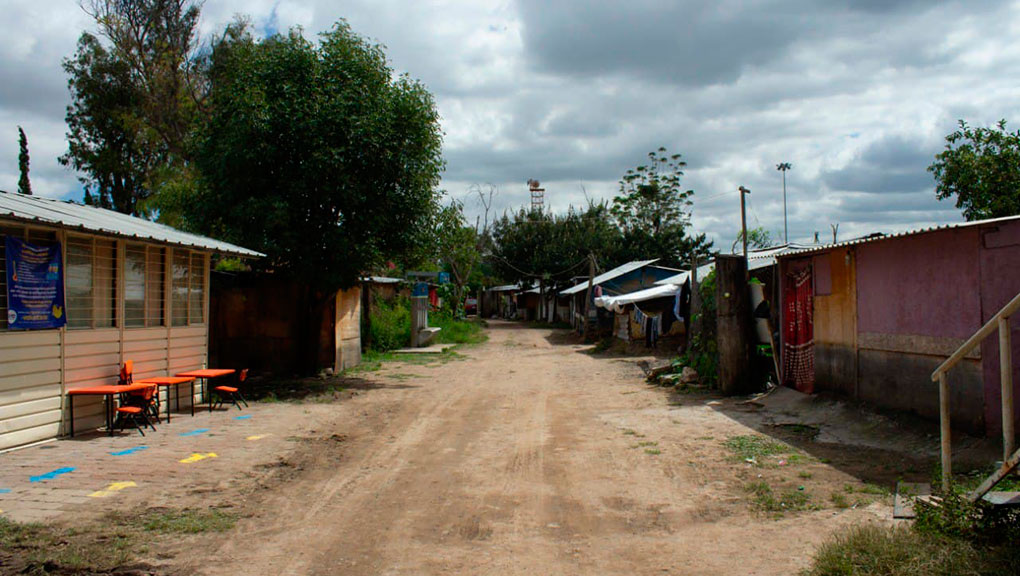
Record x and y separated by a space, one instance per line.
765 501
754 447
186 521
894 551
839 500
105 546
653 451
457 331
805 475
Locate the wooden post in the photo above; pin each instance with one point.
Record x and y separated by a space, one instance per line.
733 324
743 228
1006 376
587 294
695 320
947 468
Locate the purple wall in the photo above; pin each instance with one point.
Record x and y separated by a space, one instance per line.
1000 282
924 285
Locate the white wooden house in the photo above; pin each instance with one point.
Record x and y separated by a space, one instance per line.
133 289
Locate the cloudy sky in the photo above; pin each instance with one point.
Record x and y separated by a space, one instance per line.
858 96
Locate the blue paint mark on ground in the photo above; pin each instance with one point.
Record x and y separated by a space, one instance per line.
50 475
129 451
5 490
194 432
242 417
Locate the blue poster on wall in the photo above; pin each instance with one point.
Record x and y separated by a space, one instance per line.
35 286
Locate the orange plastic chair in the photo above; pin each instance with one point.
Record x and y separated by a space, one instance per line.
232 392
147 400
134 408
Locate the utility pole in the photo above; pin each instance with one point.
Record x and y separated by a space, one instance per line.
587 296
743 220
783 167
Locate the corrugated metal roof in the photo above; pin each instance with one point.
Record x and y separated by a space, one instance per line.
615 272
89 218
682 277
504 288
879 238
382 280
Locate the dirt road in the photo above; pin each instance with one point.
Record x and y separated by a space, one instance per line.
529 456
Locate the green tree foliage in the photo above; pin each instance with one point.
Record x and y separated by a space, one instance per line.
316 155
460 248
757 238
24 185
533 245
133 101
981 168
106 142
653 212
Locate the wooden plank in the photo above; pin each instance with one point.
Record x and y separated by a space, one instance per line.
94 376
22 339
989 327
72 363
91 349
19 368
29 435
189 352
1007 467
30 421
188 331
29 407
86 336
35 353
906 495
145 345
188 342
146 356
1002 498
30 380
22 395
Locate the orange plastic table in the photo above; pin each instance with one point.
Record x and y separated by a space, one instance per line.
167 382
109 392
205 374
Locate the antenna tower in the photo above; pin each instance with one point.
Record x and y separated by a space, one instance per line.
537 194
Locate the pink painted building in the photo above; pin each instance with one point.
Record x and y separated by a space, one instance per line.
882 313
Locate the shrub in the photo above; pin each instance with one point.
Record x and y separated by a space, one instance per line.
391 324
871 550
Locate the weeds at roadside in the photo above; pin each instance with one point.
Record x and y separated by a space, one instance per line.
653 451
767 502
839 500
101 547
754 447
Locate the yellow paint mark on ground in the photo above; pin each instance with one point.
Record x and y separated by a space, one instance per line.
109 490
196 457
257 437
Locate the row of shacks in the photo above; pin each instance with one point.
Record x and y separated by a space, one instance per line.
132 289
868 319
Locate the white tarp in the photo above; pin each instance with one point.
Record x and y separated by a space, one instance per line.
617 303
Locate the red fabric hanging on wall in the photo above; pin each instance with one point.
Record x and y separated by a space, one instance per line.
798 332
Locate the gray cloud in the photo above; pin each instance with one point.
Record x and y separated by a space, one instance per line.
857 95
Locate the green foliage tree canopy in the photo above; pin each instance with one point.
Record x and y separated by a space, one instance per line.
24 185
981 168
653 212
316 154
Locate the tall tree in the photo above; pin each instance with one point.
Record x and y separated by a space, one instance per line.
981 168
134 101
653 211
24 185
315 154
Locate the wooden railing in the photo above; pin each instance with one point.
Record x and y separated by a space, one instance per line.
998 322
